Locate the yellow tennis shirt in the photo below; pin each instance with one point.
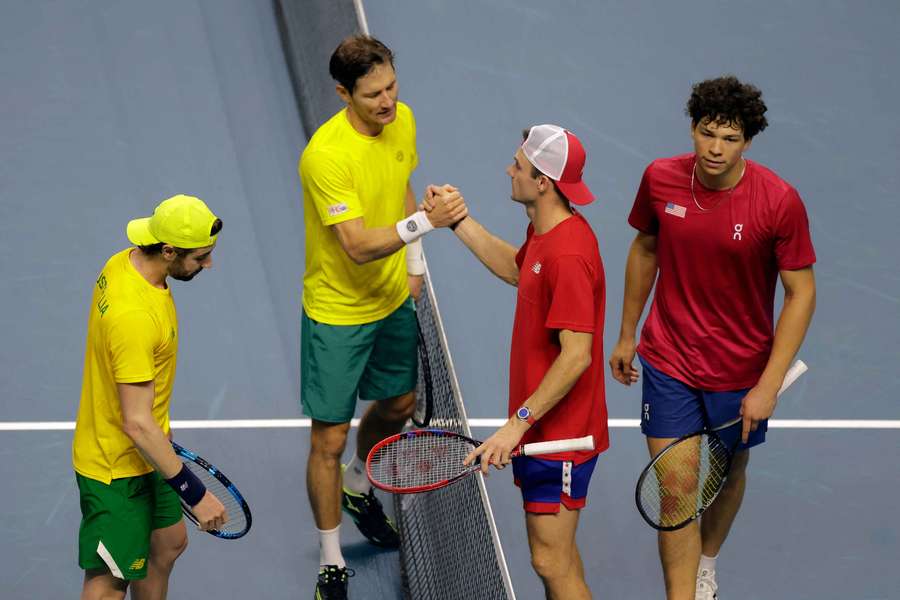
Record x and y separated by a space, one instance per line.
132 336
347 175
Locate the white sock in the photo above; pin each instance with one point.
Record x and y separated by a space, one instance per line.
330 547
355 478
708 562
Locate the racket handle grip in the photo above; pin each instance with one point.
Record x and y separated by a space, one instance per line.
796 370
571 445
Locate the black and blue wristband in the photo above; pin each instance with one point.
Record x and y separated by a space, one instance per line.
188 486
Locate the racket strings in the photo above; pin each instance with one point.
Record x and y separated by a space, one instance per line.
237 519
684 480
421 460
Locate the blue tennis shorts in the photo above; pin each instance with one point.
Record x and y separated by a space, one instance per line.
547 483
671 409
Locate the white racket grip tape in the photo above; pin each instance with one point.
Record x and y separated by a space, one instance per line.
796 370
571 445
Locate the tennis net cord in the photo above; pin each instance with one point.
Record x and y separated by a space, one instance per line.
449 548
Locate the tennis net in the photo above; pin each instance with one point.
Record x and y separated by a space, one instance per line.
450 548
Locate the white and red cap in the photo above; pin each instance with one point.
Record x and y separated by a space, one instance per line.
559 155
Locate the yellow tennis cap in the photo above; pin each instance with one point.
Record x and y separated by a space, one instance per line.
182 221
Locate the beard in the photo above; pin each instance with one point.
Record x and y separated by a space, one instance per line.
180 273
184 276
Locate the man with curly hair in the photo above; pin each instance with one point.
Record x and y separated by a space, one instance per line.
715 233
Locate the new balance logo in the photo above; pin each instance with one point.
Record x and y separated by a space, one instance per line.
138 564
536 268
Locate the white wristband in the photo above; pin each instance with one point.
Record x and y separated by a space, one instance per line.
415 258
413 227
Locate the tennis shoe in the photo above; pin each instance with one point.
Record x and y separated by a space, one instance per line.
332 582
368 514
706 585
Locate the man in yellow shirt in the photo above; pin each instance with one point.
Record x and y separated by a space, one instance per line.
363 260
130 481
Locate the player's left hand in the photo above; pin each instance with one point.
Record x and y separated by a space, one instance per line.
497 448
757 405
415 285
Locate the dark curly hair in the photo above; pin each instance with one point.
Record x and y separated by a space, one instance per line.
355 57
727 101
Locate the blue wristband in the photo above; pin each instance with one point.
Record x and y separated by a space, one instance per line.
188 486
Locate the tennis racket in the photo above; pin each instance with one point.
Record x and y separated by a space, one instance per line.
425 388
422 460
685 478
239 519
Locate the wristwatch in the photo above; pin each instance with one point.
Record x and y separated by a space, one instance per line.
524 414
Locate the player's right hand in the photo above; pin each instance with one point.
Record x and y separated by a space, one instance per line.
621 362
447 206
210 513
432 193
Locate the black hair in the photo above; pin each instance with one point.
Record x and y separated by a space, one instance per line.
726 101
355 56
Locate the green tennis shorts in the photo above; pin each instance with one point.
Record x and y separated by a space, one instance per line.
340 363
117 520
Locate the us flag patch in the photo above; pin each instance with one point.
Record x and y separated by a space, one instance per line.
336 209
675 209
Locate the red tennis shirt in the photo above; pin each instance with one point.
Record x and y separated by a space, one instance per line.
561 286
711 321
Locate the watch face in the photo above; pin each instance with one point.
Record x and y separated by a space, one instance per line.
523 413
